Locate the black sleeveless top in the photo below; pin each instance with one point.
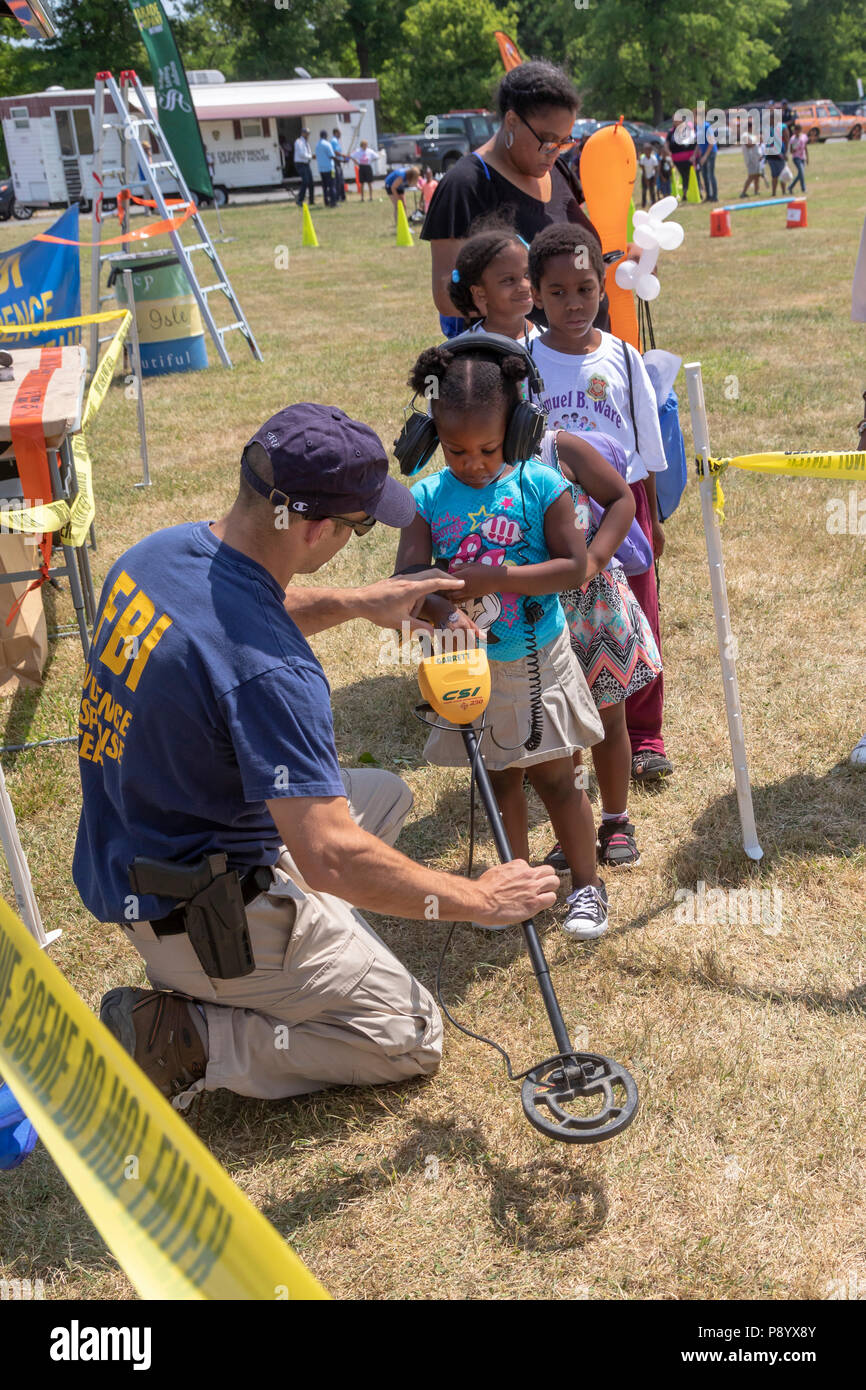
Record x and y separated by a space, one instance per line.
472 188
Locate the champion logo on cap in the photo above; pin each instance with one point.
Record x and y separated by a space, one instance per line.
300 506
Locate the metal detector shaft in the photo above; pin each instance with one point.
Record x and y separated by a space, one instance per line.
533 945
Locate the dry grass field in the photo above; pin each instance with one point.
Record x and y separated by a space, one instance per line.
742 1176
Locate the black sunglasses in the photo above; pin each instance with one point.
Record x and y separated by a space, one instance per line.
547 146
359 527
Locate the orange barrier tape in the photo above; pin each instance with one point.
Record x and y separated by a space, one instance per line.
167 224
28 442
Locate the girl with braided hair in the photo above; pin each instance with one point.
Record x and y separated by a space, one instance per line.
507 529
490 285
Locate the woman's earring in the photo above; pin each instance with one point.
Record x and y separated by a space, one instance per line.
509 139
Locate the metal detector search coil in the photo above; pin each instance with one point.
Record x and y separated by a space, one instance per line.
456 684
575 1097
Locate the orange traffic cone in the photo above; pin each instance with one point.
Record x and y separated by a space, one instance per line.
796 216
720 222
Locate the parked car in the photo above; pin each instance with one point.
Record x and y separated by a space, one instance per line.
583 127
641 133
644 134
8 206
823 119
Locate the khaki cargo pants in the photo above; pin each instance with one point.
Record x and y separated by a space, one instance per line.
327 1004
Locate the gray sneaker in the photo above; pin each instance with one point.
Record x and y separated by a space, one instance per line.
587 913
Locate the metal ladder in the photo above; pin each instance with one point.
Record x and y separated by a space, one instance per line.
128 124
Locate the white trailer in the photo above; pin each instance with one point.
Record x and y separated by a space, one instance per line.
248 129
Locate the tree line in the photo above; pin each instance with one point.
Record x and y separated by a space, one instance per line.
642 58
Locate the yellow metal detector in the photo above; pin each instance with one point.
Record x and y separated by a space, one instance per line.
456 686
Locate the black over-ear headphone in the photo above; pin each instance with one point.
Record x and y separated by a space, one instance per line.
418 438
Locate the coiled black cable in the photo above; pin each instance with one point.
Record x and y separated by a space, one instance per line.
420 715
531 614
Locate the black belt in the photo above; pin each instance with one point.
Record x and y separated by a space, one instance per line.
253 883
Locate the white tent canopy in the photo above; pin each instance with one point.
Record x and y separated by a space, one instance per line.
235 100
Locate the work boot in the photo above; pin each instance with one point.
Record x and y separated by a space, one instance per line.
162 1031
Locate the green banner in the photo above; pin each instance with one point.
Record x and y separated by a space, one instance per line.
176 111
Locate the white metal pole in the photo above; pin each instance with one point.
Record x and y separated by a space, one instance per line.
95 223
700 430
135 358
19 871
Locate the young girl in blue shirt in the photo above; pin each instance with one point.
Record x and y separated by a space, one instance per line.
508 531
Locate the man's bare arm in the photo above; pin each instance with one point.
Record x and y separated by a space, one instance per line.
334 855
388 603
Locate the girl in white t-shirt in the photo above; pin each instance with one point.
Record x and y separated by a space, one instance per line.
603 381
490 284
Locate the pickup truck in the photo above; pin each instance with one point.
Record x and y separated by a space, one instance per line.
400 150
443 140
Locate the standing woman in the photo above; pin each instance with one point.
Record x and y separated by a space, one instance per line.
752 156
777 156
682 143
364 160
518 172
799 148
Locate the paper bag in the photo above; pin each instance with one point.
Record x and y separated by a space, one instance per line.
24 642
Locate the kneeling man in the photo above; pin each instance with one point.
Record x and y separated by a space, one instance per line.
217 828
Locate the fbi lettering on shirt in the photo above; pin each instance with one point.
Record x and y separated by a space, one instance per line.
125 636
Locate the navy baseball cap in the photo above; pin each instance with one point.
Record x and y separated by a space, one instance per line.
325 464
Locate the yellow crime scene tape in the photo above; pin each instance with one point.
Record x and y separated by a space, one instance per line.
73 519
104 316
838 466
173 1218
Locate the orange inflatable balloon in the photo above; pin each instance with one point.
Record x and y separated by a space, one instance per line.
607 171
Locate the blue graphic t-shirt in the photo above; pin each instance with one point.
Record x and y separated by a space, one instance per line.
501 524
201 701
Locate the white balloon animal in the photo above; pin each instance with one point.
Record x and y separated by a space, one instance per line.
652 234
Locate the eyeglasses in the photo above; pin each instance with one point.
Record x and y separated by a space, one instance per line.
359 527
547 146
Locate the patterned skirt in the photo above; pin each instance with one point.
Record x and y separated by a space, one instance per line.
611 637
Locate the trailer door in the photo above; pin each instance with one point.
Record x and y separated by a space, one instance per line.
75 139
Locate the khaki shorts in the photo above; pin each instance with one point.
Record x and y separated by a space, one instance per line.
327 1004
570 719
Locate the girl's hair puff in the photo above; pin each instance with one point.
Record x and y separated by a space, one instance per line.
463 381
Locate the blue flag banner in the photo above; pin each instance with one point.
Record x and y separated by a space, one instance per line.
40 280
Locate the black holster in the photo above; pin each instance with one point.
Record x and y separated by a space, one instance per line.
212 910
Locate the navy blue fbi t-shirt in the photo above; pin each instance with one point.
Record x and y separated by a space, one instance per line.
201 701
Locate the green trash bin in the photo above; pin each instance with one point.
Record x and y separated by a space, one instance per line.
170 330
